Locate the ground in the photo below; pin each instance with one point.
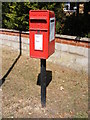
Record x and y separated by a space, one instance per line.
67 93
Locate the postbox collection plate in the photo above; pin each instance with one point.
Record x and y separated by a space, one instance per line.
38 42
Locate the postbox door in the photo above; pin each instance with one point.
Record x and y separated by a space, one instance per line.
39 44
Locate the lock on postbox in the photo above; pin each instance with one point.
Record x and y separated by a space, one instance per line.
41 33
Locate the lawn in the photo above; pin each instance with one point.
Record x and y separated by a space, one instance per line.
67 93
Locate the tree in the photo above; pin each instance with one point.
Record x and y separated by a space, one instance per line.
78 25
16 14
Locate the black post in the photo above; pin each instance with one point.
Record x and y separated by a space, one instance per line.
77 9
20 47
43 82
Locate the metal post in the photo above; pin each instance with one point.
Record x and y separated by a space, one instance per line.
43 82
20 44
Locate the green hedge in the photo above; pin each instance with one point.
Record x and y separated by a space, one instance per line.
15 15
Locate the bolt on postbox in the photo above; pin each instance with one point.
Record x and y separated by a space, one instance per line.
42 33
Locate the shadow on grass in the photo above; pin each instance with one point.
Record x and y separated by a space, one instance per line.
10 69
48 78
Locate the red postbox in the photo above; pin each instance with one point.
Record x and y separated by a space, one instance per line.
41 33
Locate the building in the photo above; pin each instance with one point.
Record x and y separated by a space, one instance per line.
71 7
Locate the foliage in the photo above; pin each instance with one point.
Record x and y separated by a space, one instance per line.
16 14
78 25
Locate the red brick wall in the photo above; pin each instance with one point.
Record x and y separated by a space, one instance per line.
85 44
73 42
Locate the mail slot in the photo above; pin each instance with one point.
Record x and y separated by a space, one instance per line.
41 33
